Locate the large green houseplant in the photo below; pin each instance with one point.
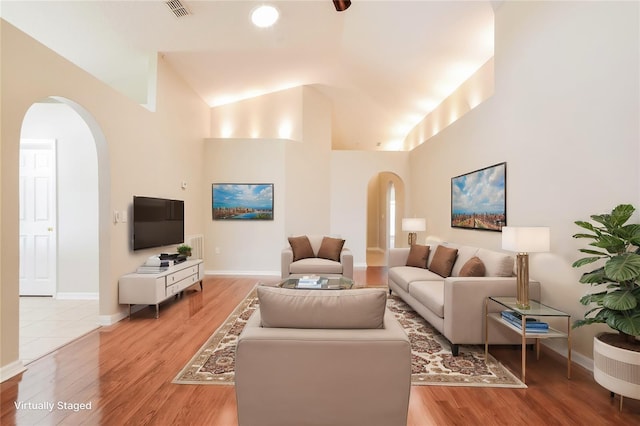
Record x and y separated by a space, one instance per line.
618 244
616 356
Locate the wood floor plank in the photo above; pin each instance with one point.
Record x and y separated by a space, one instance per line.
125 372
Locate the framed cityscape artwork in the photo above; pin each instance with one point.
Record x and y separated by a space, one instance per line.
242 201
478 199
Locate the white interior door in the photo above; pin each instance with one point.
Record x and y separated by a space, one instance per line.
37 217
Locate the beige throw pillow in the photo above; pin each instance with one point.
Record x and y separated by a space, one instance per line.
418 256
329 309
443 260
331 248
473 268
301 247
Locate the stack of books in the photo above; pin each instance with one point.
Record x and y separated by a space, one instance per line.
309 282
532 325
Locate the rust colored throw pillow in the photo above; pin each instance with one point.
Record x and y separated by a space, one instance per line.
301 247
443 260
331 248
418 255
473 268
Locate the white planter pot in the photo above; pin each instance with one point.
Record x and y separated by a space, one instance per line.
616 369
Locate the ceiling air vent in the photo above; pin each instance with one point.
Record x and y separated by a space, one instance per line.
178 9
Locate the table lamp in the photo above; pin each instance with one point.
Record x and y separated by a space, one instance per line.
413 225
524 240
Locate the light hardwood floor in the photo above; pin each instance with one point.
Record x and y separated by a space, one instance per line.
124 371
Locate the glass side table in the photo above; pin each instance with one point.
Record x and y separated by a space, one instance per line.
536 310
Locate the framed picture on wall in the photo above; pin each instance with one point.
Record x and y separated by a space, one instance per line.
242 201
479 200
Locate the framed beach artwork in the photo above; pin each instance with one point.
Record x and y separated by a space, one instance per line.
242 201
479 200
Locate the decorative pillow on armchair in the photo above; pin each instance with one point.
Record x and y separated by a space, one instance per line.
301 247
331 248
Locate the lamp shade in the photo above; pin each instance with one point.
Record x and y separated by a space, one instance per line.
525 239
414 224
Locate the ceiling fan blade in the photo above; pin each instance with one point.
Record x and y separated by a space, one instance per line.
341 5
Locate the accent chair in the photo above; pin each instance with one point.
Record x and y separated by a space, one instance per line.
316 255
322 357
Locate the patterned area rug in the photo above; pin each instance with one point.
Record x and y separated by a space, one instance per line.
432 361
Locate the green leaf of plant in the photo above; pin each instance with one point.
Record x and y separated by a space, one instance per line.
619 300
610 243
601 218
592 298
626 322
621 214
596 252
624 267
585 261
594 277
583 224
590 236
629 232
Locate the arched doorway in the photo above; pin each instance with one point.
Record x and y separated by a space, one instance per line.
385 203
73 241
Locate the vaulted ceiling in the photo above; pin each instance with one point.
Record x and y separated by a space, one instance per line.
383 64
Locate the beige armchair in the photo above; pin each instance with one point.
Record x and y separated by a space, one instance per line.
316 255
322 357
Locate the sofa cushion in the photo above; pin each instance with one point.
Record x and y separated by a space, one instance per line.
331 248
464 254
404 275
430 294
317 265
301 247
497 264
325 309
473 268
418 256
443 260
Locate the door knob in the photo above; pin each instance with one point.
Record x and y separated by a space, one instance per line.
50 229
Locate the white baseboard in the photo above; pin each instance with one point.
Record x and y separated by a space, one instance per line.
10 370
576 357
77 296
112 319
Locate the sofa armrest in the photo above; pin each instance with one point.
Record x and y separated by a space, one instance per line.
348 369
464 300
286 258
397 256
346 259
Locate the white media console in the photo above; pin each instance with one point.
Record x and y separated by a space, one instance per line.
151 288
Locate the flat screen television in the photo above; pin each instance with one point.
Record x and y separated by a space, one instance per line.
157 222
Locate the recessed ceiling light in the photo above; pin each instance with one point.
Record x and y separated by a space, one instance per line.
264 16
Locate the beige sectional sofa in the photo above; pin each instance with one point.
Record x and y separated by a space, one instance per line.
454 304
322 357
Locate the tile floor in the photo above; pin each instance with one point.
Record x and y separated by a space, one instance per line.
47 324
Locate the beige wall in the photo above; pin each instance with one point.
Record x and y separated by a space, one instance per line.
351 173
140 153
245 247
565 118
317 191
